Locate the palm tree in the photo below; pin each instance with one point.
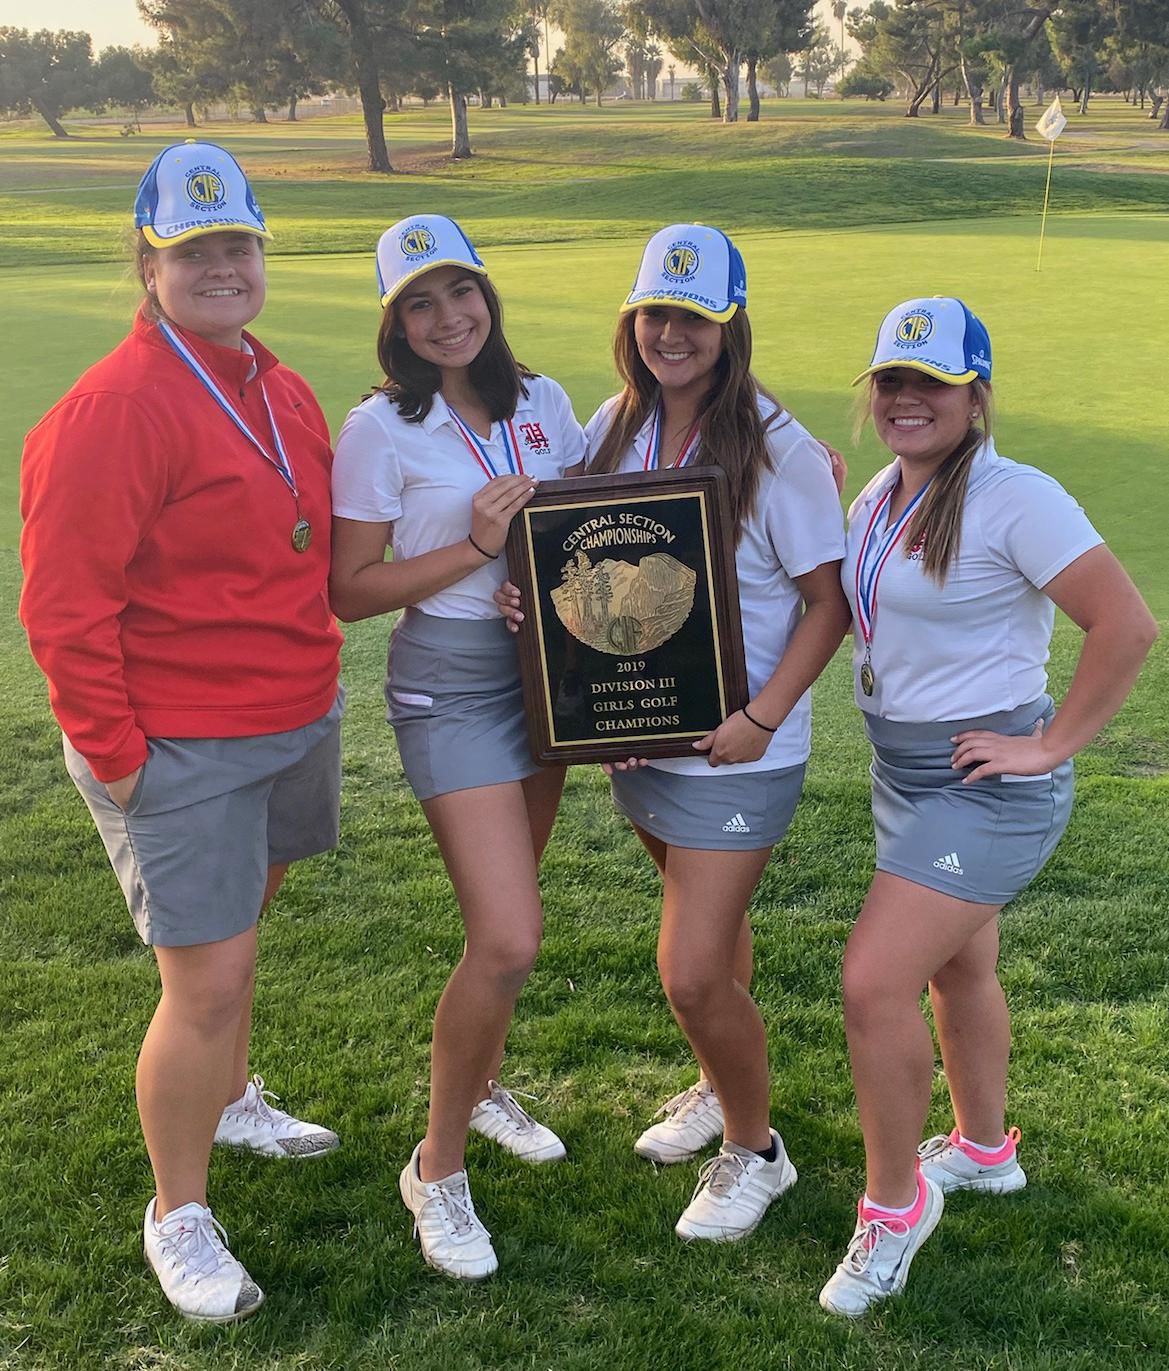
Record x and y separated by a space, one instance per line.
839 9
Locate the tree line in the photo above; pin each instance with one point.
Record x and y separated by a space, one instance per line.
269 54
982 50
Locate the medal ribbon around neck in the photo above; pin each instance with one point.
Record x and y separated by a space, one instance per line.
478 448
879 547
653 448
280 461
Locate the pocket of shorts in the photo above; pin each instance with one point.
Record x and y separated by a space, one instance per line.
136 794
408 706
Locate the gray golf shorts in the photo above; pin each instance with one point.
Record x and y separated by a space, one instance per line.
453 696
982 842
737 812
207 819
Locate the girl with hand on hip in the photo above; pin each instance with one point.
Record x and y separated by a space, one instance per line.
957 558
435 464
176 555
710 821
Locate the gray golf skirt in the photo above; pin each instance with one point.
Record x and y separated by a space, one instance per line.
453 698
982 842
736 812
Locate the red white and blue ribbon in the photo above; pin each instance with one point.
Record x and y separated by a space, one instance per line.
653 447
875 550
281 460
478 448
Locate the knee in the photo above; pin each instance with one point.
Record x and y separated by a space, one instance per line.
212 1004
872 996
690 989
505 961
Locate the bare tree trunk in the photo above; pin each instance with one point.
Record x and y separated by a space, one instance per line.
536 70
189 115
1000 101
974 90
1164 124
731 83
460 134
368 83
1158 101
260 114
292 102
936 102
752 91
1087 93
1014 107
59 130
716 109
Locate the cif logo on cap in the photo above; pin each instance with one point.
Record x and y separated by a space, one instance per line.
417 242
205 188
914 329
681 261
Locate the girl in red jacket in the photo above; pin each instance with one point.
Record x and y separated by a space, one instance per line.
176 550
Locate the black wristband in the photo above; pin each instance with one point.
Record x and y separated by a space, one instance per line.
765 727
491 556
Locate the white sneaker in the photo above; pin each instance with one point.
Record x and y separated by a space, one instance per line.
197 1273
445 1223
734 1189
951 1165
690 1121
251 1122
876 1264
502 1119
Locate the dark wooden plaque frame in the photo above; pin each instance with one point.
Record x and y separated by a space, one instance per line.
719 672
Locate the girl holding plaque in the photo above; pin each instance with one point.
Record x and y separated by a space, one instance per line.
435 464
176 554
957 559
709 822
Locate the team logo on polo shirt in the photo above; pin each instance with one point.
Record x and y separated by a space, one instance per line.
681 261
914 329
417 242
534 437
205 188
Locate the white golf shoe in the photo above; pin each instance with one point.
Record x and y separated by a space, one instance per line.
733 1192
188 1253
689 1122
876 1264
252 1123
504 1120
445 1223
954 1165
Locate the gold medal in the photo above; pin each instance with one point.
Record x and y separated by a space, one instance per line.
868 680
302 536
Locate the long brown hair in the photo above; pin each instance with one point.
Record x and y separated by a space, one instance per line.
731 433
412 383
936 526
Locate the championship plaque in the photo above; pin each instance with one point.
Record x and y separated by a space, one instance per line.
632 643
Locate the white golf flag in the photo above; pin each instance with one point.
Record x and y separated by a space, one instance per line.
1052 122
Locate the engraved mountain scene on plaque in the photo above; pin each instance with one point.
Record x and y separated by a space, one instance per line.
620 608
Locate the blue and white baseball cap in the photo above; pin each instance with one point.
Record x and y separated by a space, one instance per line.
937 335
691 266
193 188
413 246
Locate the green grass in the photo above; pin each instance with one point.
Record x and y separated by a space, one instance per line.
1068 1275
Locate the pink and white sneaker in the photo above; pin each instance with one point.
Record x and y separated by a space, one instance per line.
956 1165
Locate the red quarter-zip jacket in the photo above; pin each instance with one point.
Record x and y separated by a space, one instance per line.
162 595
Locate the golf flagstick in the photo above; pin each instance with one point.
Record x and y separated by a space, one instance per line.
1051 124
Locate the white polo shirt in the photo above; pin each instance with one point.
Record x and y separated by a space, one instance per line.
796 526
979 643
421 478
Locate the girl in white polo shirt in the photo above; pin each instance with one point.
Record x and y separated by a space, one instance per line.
435 464
709 822
956 560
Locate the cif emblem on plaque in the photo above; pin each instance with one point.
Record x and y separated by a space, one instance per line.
619 608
